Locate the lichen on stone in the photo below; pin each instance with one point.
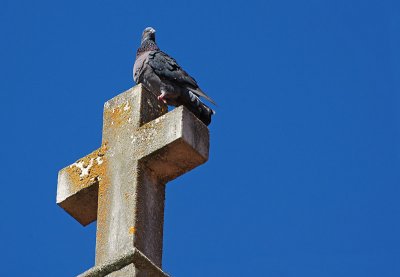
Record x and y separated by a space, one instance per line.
88 170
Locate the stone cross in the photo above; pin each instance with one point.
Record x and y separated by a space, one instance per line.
122 184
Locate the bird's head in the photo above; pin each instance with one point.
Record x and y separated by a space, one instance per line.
149 34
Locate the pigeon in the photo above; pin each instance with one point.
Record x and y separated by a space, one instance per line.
161 75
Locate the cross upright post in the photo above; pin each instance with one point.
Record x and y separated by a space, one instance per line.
122 184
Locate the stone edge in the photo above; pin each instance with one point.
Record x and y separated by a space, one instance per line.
134 256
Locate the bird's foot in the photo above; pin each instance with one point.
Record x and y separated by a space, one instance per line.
161 98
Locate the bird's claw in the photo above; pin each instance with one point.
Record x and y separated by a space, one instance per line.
161 98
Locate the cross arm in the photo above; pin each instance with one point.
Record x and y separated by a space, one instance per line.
173 144
78 186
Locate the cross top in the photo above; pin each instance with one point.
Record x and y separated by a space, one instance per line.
122 184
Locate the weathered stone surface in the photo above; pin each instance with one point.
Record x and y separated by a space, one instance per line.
122 184
78 186
127 264
179 147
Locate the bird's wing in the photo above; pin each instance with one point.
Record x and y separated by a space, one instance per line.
168 69
138 66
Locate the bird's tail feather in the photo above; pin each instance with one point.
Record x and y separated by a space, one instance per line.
201 93
198 108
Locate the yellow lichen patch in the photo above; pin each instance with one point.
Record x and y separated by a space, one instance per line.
88 170
117 116
103 181
102 212
132 230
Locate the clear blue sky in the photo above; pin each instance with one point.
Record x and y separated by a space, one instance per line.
303 176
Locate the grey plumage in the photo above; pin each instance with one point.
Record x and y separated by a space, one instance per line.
162 75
